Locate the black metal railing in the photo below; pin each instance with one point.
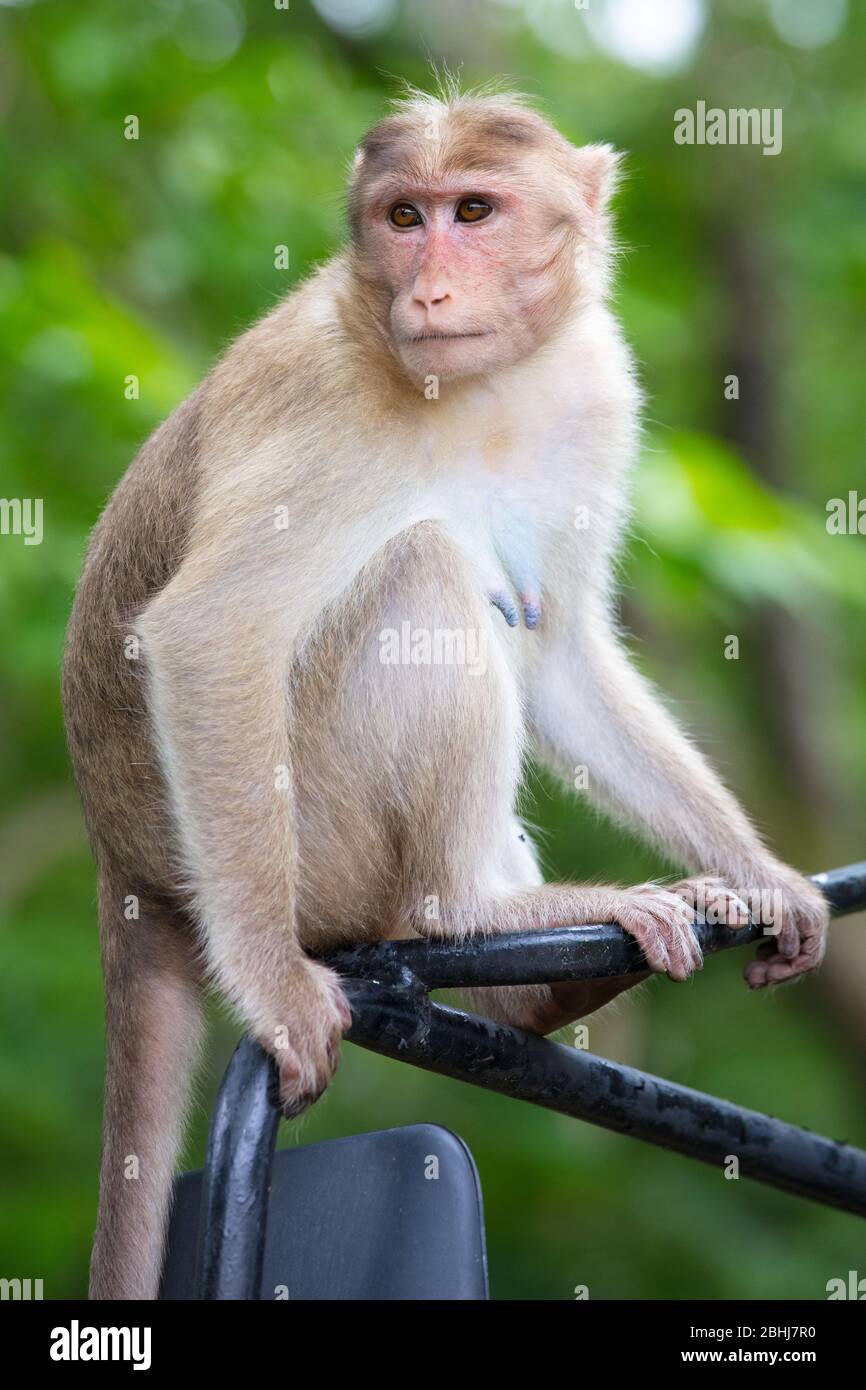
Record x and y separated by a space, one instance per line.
388 985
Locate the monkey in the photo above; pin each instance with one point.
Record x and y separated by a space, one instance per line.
402 445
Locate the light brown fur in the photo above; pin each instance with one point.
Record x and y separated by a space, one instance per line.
258 778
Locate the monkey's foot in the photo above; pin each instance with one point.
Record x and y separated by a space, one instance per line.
560 1004
306 1047
661 923
712 899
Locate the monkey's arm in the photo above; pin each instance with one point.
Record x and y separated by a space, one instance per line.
592 709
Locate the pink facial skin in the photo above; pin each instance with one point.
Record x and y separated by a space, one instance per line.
458 303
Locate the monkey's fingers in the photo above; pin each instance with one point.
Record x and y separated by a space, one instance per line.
774 966
775 969
796 918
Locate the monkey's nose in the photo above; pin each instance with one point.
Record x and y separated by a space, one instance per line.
430 297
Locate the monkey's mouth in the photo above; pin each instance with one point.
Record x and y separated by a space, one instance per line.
446 337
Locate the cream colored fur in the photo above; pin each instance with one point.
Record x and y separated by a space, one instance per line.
261 777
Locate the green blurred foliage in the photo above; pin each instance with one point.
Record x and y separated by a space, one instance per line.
143 257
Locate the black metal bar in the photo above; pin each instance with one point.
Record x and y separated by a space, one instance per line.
567 953
400 1021
236 1181
844 889
387 985
392 1014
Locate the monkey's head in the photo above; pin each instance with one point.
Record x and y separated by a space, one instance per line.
476 229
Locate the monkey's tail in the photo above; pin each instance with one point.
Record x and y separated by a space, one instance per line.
153 1018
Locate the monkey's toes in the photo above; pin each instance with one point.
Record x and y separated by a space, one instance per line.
662 924
712 899
303 1080
308 1057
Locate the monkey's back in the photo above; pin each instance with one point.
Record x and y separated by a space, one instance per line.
135 548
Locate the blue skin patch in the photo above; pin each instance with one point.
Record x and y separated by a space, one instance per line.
517 552
507 607
514 541
530 605
509 610
531 612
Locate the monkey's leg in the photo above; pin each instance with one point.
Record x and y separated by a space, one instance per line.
218 662
153 1018
464 869
459 883
545 1009
661 922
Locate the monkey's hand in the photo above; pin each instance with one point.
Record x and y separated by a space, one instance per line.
795 917
306 1045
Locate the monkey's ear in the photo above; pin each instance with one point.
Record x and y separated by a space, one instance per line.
598 174
353 202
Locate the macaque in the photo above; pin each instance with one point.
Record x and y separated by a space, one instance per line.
280 743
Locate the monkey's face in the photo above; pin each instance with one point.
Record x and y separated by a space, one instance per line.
469 276
477 228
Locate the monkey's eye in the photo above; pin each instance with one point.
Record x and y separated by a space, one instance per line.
472 210
403 215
